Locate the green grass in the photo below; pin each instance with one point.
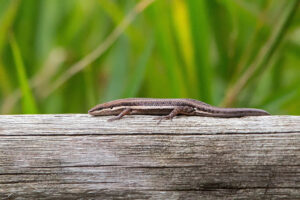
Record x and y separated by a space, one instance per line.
202 47
66 56
28 103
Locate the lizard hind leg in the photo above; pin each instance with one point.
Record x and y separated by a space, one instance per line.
185 110
126 111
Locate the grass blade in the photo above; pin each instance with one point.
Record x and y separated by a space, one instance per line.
119 70
8 11
200 35
137 77
101 48
264 55
28 102
167 53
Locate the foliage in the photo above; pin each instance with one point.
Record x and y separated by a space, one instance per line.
66 56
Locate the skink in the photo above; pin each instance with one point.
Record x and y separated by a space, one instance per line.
169 108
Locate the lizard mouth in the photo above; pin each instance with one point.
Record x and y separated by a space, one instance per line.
104 111
94 111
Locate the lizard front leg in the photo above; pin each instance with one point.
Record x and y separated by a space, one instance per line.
126 111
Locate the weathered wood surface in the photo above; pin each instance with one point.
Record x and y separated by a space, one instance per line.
79 156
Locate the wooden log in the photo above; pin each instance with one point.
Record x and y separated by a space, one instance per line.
79 156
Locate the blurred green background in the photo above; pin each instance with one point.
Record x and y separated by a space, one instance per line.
66 56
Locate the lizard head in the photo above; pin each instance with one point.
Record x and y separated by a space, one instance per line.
108 108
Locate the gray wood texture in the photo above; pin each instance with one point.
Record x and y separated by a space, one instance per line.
80 156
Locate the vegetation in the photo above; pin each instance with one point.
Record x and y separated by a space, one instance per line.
66 56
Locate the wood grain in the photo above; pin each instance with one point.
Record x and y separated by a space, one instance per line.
79 156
